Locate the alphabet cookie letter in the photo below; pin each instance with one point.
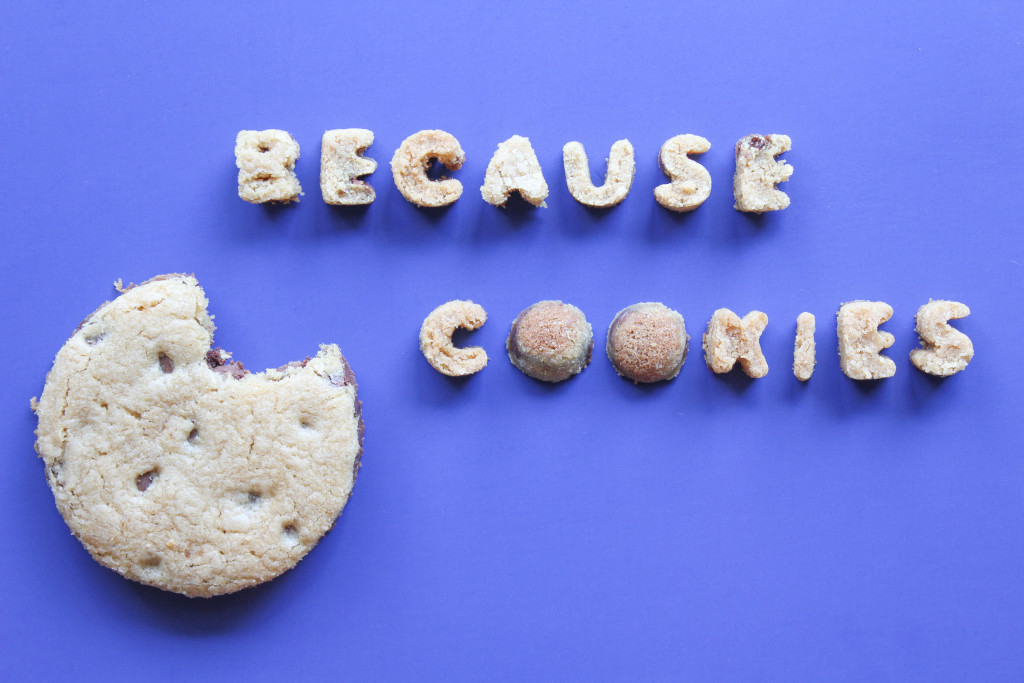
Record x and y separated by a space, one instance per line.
730 339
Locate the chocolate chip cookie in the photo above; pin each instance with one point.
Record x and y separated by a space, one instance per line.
177 467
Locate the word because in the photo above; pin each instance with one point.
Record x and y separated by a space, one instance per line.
266 170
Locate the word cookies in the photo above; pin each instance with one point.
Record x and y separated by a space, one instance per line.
647 342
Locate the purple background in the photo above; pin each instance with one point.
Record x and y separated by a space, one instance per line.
712 527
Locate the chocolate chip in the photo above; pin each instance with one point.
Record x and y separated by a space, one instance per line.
166 364
234 368
218 361
758 142
344 378
294 364
57 472
193 434
144 480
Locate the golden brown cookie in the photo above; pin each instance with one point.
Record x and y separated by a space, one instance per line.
550 341
647 342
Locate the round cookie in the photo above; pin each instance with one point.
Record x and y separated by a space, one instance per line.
175 466
550 341
647 342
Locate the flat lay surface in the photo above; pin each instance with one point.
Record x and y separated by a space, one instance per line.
709 527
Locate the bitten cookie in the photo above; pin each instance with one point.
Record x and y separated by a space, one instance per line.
266 166
175 466
758 172
550 341
647 342
436 338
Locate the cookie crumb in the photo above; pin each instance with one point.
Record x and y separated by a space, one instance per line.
758 172
618 179
944 350
804 358
342 164
514 168
413 159
860 341
690 182
266 166
730 339
436 338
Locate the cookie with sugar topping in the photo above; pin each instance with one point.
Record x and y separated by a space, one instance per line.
647 342
550 341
